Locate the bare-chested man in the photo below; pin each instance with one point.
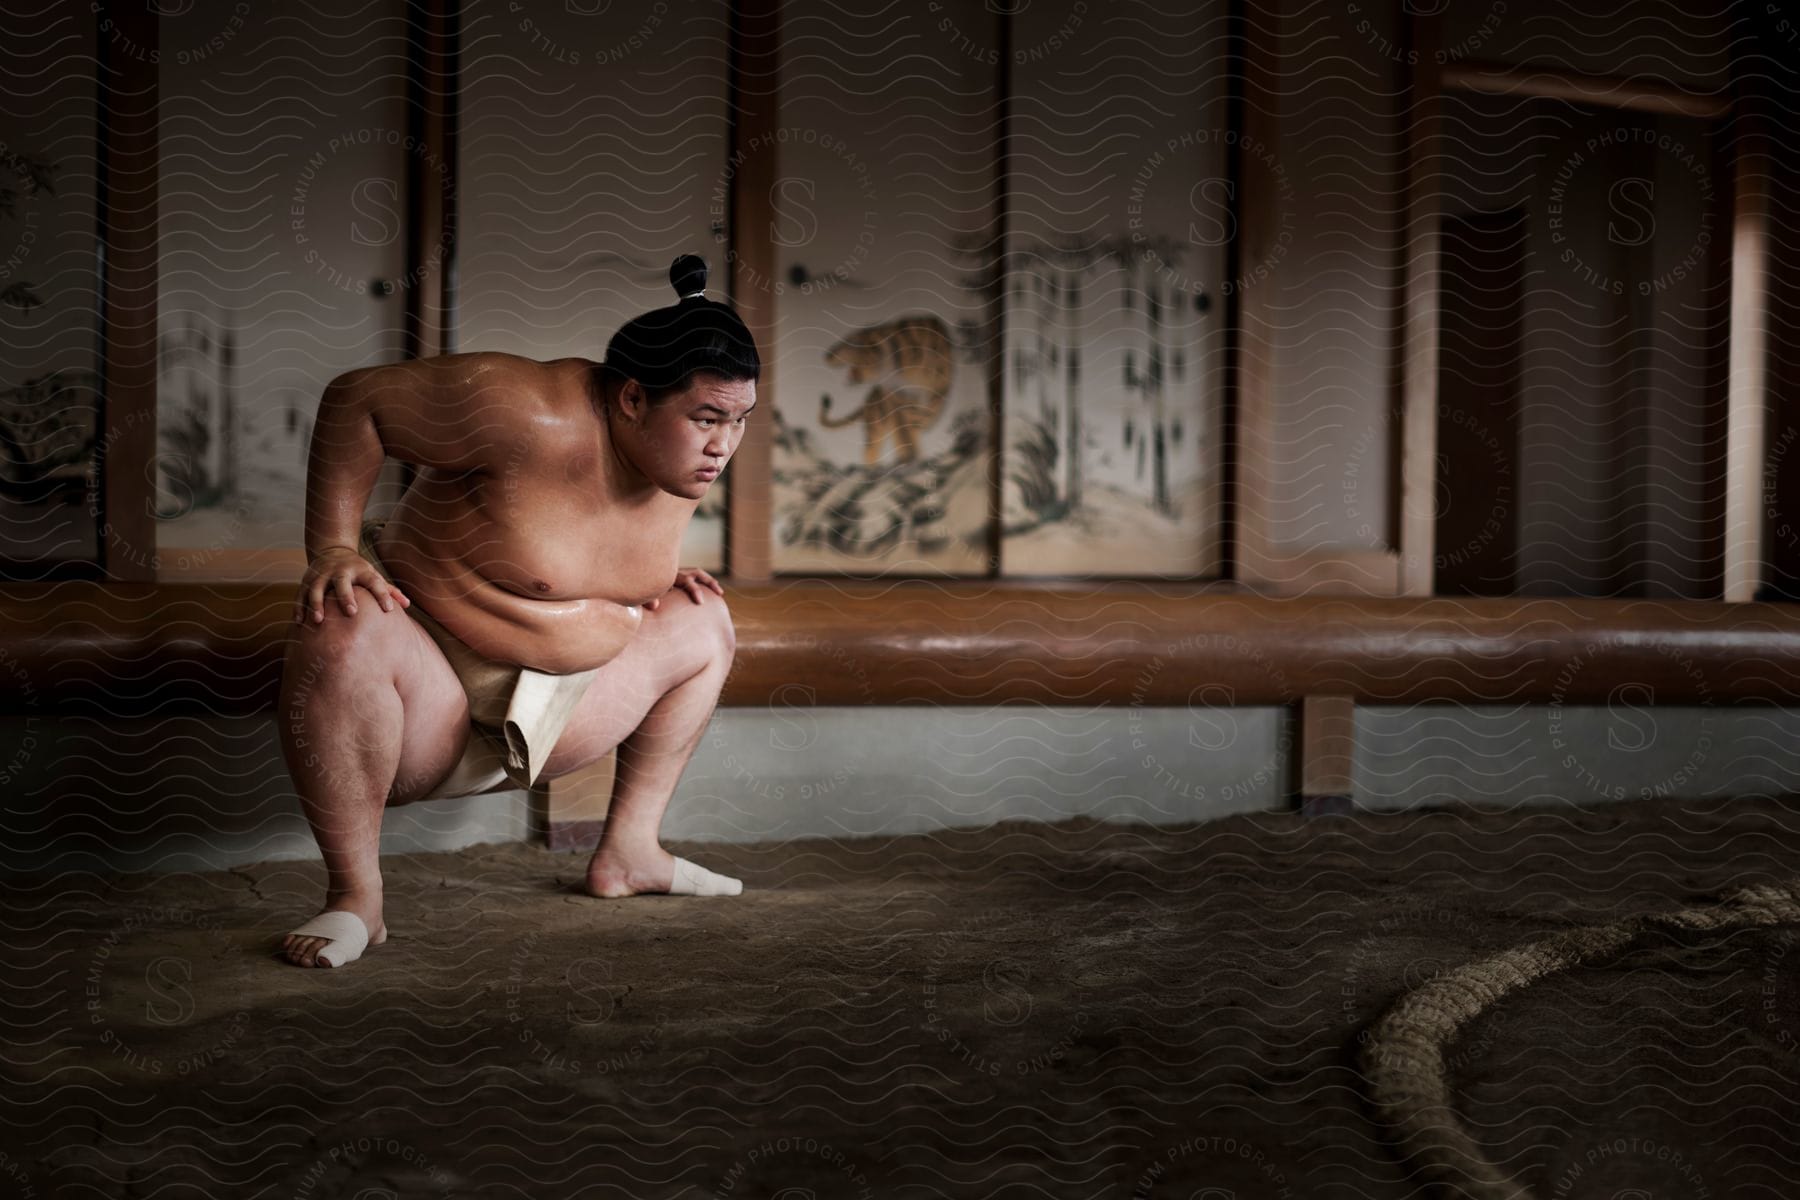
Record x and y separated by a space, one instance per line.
523 611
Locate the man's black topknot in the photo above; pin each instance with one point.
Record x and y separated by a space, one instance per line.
666 347
688 275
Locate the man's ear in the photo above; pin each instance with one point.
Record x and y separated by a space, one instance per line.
631 400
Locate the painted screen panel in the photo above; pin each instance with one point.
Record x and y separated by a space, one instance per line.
1119 224
593 136
283 158
880 212
49 288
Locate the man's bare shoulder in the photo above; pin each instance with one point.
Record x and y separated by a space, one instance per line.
478 369
548 382
478 382
482 369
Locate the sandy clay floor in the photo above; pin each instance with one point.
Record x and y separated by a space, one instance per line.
1083 1010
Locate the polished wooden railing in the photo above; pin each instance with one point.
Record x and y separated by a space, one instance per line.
142 649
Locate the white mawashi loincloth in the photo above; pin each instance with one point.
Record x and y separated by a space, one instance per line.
516 714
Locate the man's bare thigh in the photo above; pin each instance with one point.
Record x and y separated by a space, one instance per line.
669 647
435 711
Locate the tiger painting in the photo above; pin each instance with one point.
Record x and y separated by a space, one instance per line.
909 363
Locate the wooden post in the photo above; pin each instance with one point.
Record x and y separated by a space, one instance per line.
1252 487
1417 476
1327 754
755 118
1747 390
126 216
999 263
433 83
572 808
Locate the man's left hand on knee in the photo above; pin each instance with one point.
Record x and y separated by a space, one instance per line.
691 580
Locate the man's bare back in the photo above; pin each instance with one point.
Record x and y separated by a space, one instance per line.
523 532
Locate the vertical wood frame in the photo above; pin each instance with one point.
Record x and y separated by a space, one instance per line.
1715 428
1747 387
1230 382
127 224
994 321
433 84
435 74
1252 329
753 90
1254 561
1416 476
1325 765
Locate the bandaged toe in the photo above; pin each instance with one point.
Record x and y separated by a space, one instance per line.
692 879
349 937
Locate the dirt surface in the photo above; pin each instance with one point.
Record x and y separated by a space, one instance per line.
1082 1009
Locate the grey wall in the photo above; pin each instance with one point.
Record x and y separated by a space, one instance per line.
175 795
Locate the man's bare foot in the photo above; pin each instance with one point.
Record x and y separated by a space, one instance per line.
304 951
613 874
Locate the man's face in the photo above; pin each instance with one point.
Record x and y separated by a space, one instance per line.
686 438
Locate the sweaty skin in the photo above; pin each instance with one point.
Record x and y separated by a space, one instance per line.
538 525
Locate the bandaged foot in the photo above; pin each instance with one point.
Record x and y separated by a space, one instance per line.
344 938
613 879
692 879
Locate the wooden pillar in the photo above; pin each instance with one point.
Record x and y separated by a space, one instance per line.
433 83
1254 320
1327 748
755 104
998 269
1778 75
1747 387
1416 478
126 216
571 809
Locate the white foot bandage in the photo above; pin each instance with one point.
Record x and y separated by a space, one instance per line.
349 936
693 880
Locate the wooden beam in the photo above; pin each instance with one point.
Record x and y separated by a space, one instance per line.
1599 91
1417 477
127 222
1747 387
117 649
755 103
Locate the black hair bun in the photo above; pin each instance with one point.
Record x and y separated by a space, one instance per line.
687 275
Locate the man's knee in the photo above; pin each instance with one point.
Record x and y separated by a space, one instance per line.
342 635
722 626
701 628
